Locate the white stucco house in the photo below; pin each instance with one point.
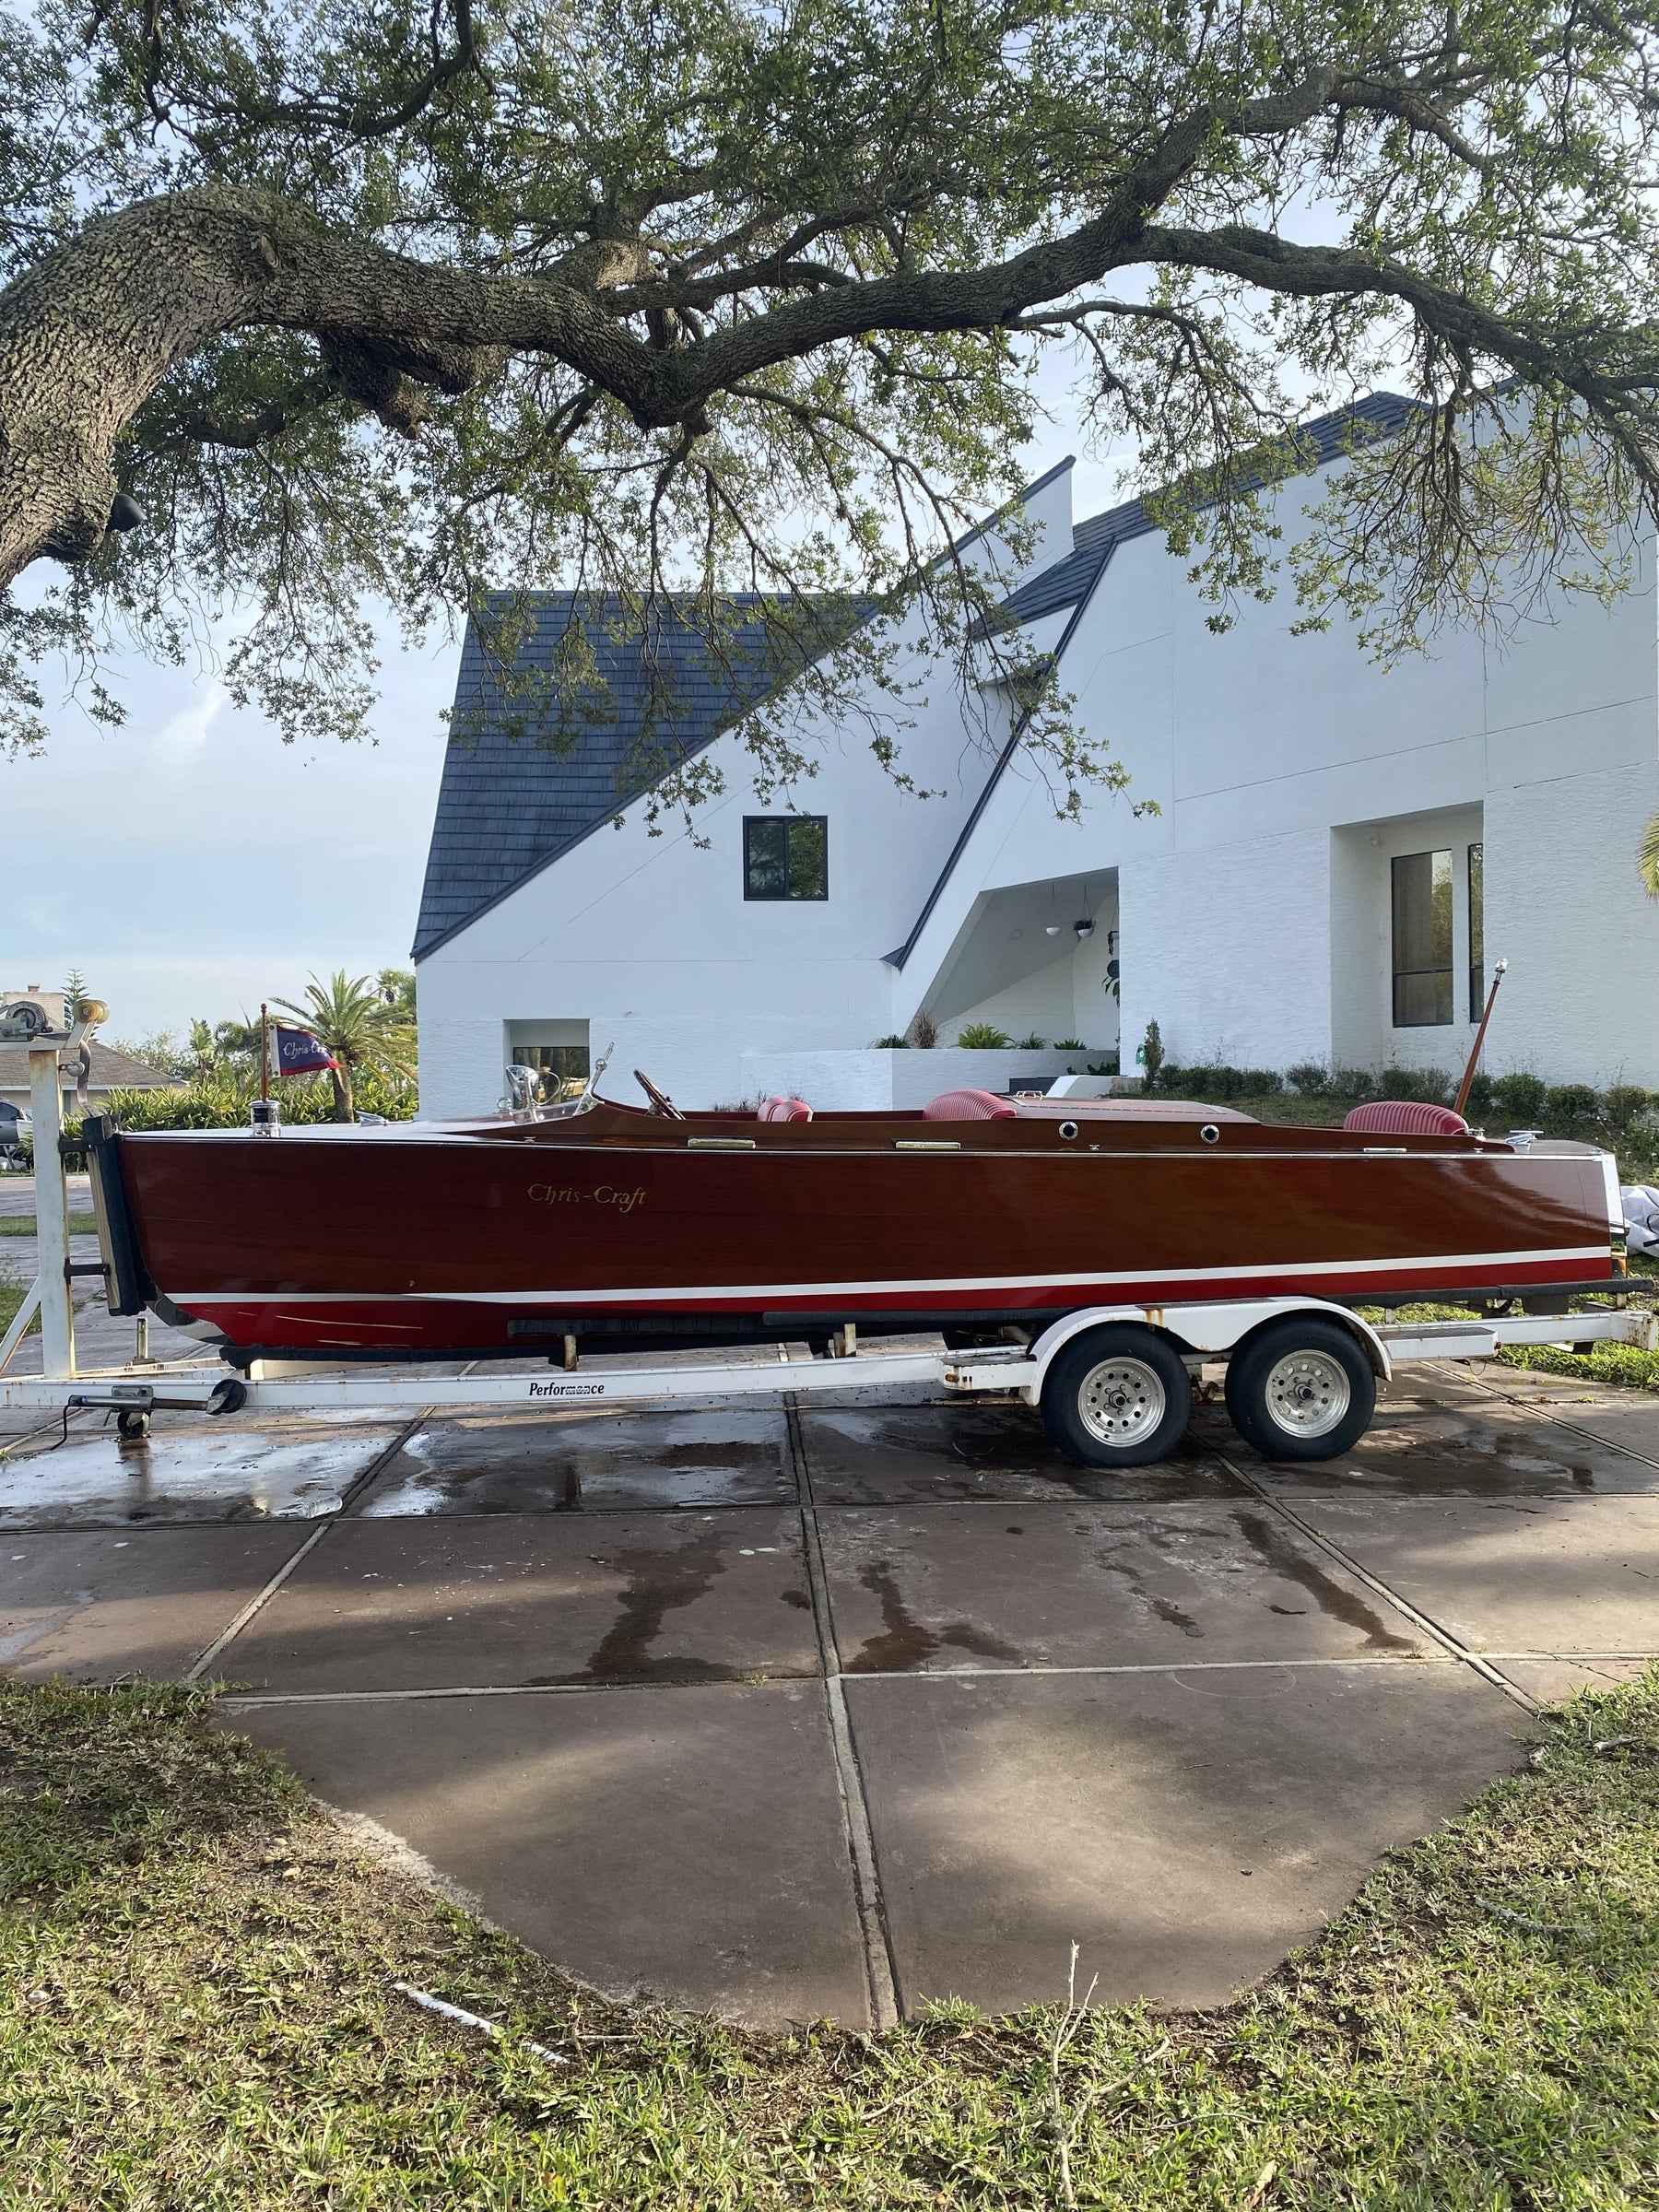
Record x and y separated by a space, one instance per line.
1339 853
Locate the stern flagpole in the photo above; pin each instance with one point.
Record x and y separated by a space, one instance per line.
1462 1090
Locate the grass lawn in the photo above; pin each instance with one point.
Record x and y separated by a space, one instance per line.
23 1225
12 1290
196 2009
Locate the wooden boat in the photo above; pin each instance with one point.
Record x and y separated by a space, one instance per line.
600 1224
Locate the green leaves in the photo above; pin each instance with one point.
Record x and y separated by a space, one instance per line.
779 283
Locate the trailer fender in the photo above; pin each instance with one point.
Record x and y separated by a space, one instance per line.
1210 1331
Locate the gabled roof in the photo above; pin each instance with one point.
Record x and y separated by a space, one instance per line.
111 1070
1325 439
521 786
512 800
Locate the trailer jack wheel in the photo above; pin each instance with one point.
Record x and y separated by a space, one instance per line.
228 1396
131 1425
1117 1396
1301 1390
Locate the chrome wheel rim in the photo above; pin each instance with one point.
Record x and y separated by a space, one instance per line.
1308 1394
1122 1400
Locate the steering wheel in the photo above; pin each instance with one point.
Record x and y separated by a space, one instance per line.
660 1100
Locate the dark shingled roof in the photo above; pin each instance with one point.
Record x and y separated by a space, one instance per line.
1324 438
509 804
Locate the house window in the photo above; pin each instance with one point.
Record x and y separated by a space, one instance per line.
785 856
559 1063
1422 940
1476 933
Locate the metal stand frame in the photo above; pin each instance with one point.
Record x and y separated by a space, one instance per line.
1207 1331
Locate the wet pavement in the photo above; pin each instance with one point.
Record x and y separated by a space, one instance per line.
787 1710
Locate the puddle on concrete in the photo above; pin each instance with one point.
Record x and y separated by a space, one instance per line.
905 1644
1278 1547
1444 1455
229 1474
891 1455
612 1459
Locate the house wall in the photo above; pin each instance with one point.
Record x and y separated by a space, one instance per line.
1254 903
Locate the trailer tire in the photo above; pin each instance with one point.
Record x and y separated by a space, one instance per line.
1302 1389
1117 1396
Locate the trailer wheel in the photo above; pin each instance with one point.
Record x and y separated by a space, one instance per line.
1117 1396
131 1425
1302 1389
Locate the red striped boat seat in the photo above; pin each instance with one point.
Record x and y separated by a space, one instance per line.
1407 1117
783 1110
968 1106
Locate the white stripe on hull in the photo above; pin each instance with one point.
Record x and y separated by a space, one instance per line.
1494 1264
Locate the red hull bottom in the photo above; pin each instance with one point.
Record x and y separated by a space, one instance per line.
518 1325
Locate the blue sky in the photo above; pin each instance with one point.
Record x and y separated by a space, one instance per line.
191 864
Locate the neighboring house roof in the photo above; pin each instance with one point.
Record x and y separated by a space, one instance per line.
111 1070
518 792
1326 438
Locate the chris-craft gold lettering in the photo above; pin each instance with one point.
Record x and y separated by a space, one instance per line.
605 1194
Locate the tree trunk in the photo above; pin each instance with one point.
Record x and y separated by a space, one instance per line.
89 332
345 1104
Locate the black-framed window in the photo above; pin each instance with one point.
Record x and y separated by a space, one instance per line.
1423 981
1476 931
787 856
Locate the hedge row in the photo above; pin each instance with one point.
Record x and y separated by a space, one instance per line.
1521 1099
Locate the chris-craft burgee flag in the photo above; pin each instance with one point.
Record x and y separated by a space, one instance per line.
300 1054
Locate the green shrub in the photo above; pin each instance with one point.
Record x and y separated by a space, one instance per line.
1308 1078
1033 1044
1623 1102
1070 1044
890 1044
1428 1086
1520 1096
1152 1056
982 1036
1353 1083
1480 1093
1109 1067
1574 1103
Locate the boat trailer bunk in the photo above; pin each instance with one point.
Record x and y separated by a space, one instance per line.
1114 1384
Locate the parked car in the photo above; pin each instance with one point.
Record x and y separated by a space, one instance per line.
16 1130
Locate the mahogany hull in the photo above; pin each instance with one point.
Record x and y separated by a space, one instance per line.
486 1238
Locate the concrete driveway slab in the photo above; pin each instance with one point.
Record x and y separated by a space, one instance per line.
949 1588
538 1463
1627 1420
683 1842
94 1604
531 1599
1185 1828
222 1472
1550 1680
1484 1448
1516 1574
888 1455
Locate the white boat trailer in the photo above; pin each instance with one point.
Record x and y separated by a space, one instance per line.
1115 1384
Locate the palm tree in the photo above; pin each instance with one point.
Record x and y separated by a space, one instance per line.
350 1016
1647 858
